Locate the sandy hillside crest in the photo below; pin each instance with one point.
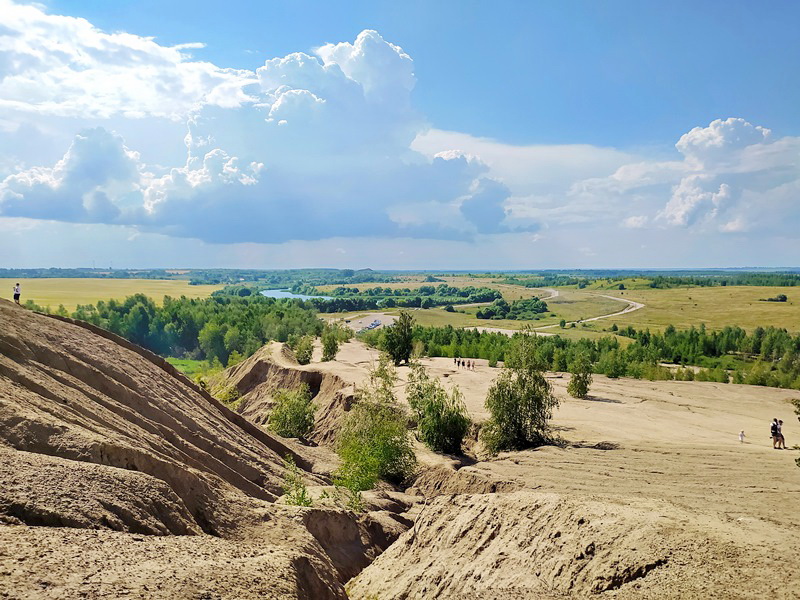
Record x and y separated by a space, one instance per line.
118 477
653 496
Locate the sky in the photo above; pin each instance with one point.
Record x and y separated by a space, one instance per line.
413 135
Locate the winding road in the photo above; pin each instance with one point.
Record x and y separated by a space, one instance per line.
632 305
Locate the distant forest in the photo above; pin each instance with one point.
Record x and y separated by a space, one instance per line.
223 329
766 356
287 278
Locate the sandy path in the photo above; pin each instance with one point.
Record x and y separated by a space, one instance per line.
631 306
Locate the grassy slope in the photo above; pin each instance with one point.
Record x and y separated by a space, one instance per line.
71 292
714 306
187 366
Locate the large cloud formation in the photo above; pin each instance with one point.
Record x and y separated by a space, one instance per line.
309 146
324 149
733 177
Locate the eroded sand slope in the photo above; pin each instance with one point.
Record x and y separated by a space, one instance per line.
121 478
652 495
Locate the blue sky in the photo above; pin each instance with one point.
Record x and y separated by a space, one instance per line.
606 73
414 134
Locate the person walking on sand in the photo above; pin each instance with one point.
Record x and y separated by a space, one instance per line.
17 292
741 436
773 431
781 439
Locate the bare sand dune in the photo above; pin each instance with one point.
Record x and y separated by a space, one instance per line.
656 457
121 478
651 496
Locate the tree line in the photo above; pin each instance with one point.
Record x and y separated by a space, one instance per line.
220 328
766 356
527 309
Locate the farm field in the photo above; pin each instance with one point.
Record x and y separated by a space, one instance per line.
715 307
569 305
71 292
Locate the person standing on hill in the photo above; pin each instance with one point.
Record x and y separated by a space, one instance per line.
773 431
17 292
781 439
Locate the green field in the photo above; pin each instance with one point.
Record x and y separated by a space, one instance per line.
71 292
569 305
187 366
715 307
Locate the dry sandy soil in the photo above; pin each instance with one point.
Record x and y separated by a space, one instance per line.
120 478
652 480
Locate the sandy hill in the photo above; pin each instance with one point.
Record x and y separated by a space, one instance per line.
652 495
119 477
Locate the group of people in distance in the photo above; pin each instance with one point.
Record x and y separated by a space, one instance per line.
778 441
467 364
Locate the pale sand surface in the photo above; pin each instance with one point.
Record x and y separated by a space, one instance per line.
676 440
728 511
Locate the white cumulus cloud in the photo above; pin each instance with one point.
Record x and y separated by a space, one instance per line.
61 65
320 148
734 176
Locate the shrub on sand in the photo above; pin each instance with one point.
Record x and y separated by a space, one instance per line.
293 413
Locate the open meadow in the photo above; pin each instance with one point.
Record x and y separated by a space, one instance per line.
73 291
715 307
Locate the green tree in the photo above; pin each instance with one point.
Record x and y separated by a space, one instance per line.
521 403
581 369
442 417
330 344
303 349
293 412
398 338
374 442
212 342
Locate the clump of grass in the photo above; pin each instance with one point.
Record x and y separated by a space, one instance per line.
293 413
294 488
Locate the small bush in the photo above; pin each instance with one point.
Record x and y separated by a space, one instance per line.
228 395
294 488
521 403
442 418
330 345
374 442
303 349
235 358
581 379
293 413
